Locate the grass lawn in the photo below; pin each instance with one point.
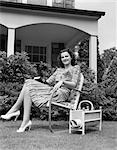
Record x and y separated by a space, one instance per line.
40 138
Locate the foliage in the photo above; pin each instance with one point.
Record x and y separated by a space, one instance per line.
109 84
100 67
45 70
9 93
103 93
84 51
108 55
16 68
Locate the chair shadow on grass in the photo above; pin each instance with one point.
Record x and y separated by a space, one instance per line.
60 126
55 126
87 131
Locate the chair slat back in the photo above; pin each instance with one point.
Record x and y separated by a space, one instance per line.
77 94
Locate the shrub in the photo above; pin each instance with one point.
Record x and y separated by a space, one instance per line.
14 70
45 70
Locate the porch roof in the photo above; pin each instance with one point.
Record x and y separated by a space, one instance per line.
45 8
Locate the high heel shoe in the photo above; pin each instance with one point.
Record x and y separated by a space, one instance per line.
28 125
9 116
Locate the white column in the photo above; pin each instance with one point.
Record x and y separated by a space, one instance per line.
116 26
24 1
11 41
93 54
75 3
49 2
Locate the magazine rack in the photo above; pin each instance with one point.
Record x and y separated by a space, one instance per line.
87 117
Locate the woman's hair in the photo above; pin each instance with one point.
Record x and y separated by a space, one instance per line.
71 55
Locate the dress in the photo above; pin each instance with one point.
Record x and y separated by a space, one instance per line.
40 93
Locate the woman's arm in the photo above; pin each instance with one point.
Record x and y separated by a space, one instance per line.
51 79
69 84
76 75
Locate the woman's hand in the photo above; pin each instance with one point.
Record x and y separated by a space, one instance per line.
58 85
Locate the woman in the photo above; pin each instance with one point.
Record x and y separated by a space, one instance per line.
64 79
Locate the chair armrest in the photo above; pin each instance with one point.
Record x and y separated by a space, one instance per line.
36 78
82 92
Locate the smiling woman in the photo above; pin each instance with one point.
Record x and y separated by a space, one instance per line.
64 80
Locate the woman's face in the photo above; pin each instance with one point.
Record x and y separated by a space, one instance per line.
65 58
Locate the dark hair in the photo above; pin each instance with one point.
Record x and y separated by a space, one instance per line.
60 64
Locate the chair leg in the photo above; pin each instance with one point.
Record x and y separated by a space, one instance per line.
100 124
70 118
83 129
50 126
69 127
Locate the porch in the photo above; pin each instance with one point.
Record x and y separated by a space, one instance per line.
43 31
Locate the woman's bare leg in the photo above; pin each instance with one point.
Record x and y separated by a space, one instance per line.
27 107
19 101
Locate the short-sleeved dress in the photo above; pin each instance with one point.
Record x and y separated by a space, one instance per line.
40 93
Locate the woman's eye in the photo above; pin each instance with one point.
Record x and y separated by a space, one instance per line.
64 57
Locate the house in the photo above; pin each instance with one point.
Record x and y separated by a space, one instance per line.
43 27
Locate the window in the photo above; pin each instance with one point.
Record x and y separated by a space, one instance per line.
63 3
18 45
3 42
56 47
15 1
37 2
58 3
36 53
69 4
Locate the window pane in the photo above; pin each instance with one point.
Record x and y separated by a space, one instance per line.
36 53
36 50
41 50
37 2
29 57
44 58
44 51
41 57
58 1
35 58
28 49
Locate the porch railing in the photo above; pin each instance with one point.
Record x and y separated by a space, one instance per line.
55 3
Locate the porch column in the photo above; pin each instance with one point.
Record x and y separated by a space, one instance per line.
93 54
75 3
24 1
11 41
49 2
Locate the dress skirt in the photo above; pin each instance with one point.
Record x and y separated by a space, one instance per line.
40 93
